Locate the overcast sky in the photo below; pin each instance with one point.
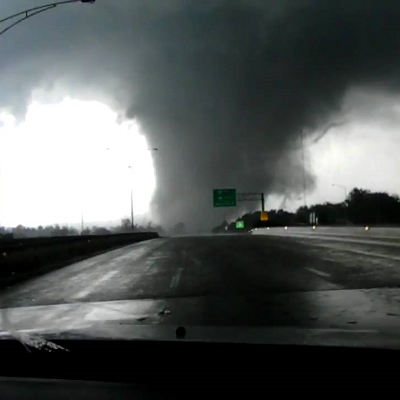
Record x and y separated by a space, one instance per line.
224 90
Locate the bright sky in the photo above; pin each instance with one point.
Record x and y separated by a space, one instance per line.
363 154
55 165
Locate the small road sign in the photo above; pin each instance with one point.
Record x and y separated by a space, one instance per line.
239 224
264 216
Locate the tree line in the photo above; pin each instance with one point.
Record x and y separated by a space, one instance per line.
360 207
21 231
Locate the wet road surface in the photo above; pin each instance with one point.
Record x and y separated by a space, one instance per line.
250 265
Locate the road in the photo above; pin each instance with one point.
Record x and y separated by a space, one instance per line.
277 261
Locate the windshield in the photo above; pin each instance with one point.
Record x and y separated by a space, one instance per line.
199 163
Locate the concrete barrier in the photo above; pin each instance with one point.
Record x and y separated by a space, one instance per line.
23 258
386 234
365 231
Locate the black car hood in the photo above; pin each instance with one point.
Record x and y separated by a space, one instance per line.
369 317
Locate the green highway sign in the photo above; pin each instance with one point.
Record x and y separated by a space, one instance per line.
224 197
239 224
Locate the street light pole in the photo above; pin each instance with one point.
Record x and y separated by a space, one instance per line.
130 167
132 222
30 12
82 224
304 169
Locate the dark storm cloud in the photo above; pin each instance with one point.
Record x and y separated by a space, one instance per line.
223 88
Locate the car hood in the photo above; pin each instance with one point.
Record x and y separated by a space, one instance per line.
369 317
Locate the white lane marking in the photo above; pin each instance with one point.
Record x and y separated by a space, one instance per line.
130 257
157 257
91 288
195 260
320 273
132 250
175 280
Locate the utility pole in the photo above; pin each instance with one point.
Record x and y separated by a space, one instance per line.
262 202
132 223
304 170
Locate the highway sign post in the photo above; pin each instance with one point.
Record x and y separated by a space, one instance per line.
253 197
224 197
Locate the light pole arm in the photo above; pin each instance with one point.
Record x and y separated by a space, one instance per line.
36 10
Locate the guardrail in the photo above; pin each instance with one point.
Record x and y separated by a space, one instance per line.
387 233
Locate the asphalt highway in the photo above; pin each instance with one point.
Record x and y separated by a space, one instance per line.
263 263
